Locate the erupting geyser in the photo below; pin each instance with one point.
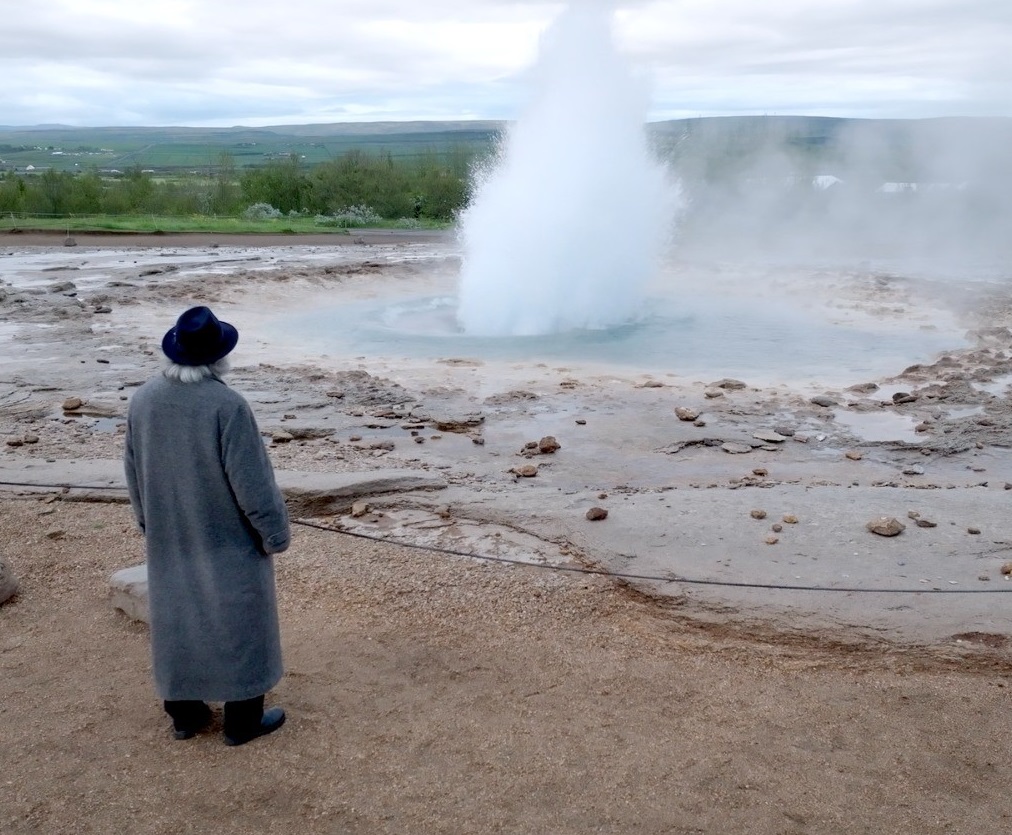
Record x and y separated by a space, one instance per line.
565 230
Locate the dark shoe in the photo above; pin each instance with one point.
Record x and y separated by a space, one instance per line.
189 726
189 717
272 719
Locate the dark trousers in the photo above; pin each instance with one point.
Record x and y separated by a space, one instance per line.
238 715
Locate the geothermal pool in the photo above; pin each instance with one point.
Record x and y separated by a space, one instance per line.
764 324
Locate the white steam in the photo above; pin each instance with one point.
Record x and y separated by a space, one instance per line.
565 230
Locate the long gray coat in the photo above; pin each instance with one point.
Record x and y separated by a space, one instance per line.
204 493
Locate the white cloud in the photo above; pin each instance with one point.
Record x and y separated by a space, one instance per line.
254 62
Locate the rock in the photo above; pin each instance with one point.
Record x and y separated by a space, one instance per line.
595 514
863 388
686 414
853 455
823 400
772 540
925 523
31 439
916 469
652 384
525 471
56 534
973 531
335 394
757 514
713 394
103 308
728 384
462 426
548 445
924 426
786 431
913 514
69 241
886 526
581 422
72 404
8 582
762 472
478 441
777 527
790 519
129 592
769 437
904 397
736 449
700 423
1006 569
359 509
15 442
282 437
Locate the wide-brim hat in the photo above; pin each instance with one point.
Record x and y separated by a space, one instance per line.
199 338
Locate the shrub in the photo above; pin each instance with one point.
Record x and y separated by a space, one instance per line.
350 216
261 211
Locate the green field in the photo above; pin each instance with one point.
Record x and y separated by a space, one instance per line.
196 150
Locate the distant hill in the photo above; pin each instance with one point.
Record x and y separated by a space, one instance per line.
815 141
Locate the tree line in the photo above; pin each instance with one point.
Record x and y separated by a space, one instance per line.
430 186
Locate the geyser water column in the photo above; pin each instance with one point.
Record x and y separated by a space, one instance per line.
567 225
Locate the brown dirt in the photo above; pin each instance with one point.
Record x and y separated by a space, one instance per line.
433 694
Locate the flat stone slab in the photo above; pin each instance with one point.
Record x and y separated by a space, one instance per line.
306 493
129 592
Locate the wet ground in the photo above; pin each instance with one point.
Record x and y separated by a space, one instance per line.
817 449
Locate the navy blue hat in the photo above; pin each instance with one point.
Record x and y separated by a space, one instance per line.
199 338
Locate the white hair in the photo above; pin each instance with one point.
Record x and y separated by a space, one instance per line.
196 373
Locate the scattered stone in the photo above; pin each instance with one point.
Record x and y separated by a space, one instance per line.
103 308
57 534
853 455
383 446
923 426
531 446
772 540
72 404
904 397
1006 569
581 422
282 437
762 472
886 526
525 471
769 437
700 423
729 384
355 438
1008 486
419 439
777 527
925 523
595 514
602 495
335 394
652 384
461 426
973 531
983 578
69 241
913 514
359 509
15 442
713 394
823 400
916 469
548 445
736 449
686 414
757 514
790 519
863 388
786 431
478 441
8 582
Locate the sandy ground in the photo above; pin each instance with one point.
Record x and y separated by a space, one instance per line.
438 694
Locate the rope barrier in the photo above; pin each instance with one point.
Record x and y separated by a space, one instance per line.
596 572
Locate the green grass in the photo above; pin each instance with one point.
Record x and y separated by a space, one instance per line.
162 224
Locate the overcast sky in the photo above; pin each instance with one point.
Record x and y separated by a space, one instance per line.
259 62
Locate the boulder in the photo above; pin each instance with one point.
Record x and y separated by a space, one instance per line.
8 582
596 514
129 592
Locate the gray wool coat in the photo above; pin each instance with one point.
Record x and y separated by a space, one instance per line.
203 491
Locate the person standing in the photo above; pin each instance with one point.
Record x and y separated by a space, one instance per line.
204 495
